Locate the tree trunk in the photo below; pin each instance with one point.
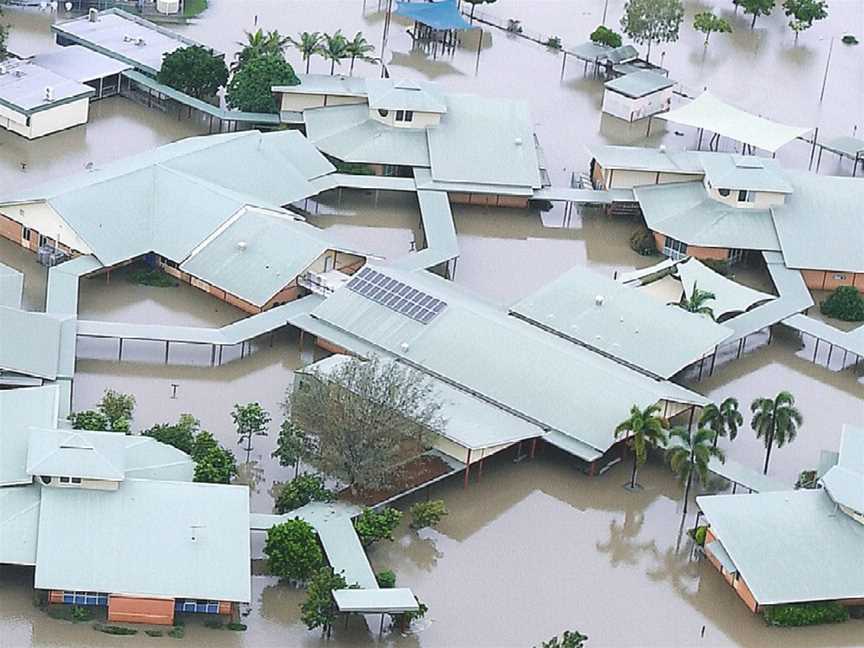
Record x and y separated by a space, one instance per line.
308 61
707 36
332 67
633 475
753 24
716 437
648 55
473 7
296 468
351 72
768 453
687 491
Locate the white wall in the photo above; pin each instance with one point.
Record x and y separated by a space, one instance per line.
629 109
293 102
41 217
419 119
460 453
761 199
46 121
14 121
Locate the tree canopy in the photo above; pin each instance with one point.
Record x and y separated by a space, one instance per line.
802 13
181 434
216 465
250 420
300 491
193 70
708 23
308 44
250 89
643 428
292 445
757 8
292 550
689 454
372 526
112 414
723 420
698 302
605 36
259 43
775 421
650 21
364 418
319 608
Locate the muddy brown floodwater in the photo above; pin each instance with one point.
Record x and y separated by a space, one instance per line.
535 547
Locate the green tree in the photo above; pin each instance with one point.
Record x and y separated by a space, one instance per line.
605 36
302 490
92 420
204 442
258 44
697 302
802 13
4 39
250 420
334 48
193 70
845 303
319 609
386 579
724 420
689 454
775 421
251 86
292 550
757 8
649 21
427 514
308 44
372 526
215 466
570 639
707 23
644 428
359 48
181 435
292 445
112 414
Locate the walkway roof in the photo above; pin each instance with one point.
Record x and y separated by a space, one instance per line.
23 88
418 96
391 600
30 343
639 84
62 297
844 482
684 211
815 552
11 287
849 146
442 14
729 296
742 475
636 158
19 522
852 340
125 37
147 458
821 224
21 409
73 453
713 114
730 171
326 84
475 346
79 63
197 534
439 230
627 324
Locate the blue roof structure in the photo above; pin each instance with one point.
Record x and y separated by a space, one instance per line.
443 14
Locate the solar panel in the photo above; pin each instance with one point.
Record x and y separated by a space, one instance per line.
396 296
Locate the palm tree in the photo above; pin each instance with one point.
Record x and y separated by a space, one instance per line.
308 45
775 421
644 428
334 49
697 302
690 454
359 48
723 420
259 43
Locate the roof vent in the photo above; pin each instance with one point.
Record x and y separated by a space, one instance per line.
49 93
127 38
241 245
518 141
662 148
404 346
598 300
140 42
93 15
2 69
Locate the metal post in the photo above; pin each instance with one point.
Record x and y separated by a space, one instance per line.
533 447
816 350
166 351
120 350
830 351
563 63
467 469
713 360
827 63
220 355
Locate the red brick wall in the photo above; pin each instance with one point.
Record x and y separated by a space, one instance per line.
130 609
830 280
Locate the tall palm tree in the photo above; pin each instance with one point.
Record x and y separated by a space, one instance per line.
697 302
259 43
359 48
644 428
775 421
689 455
334 49
722 421
308 44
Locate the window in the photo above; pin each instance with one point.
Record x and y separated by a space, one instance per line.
76 480
745 196
46 479
200 607
26 233
383 112
44 241
674 249
64 480
85 598
724 192
735 255
409 115
400 115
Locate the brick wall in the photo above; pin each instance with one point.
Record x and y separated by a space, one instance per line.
830 280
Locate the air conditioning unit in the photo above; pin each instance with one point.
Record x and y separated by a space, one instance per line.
49 93
93 15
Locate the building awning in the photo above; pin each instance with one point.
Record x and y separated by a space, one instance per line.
712 114
743 476
437 15
376 601
729 296
716 549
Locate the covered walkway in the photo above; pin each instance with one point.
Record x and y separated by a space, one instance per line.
740 475
848 341
441 244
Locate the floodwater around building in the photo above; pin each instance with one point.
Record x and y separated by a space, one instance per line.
534 547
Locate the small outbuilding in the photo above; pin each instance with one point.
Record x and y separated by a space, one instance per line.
638 95
75 62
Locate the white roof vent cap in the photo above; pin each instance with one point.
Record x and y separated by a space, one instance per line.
404 346
598 300
241 245
662 148
518 141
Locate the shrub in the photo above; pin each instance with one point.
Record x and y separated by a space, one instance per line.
570 639
154 278
153 633
807 479
427 514
292 550
849 39
177 632
406 618
642 242
386 579
372 526
302 490
699 535
319 608
79 614
217 466
237 627
553 42
605 36
806 614
114 629
214 624
845 303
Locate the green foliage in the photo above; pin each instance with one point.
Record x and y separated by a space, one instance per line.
258 44
308 44
699 535
154 278
723 420
4 39
300 491
807 479
112 414
697 302
406 618
372 526
386 579
193 70
202 444
216 466
553 42
237 627
642 242
708 23
292 445
250 87
354 168
775 421
757 8
292 550
181 435
359 48
847 39
804 614
177 631
649 21
79 613
605 36
114 629
192 8
250 420
319 608
802 13
154 633
845 303
643 429
570 639
214 624
689 454
334 48
89 420
427 514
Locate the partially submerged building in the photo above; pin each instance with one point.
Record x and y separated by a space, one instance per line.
815 537
638 95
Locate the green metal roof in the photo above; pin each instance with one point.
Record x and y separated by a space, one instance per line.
62 293
21 409
845 481
730 171
639 84
30 343
19 522
617 320
419 96
743 476
637 158
196 534
326 84
826 209
684 211
391 600
439 230
729 296
815 552
75 453
11 287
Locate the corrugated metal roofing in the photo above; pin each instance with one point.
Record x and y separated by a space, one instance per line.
326 84
21 409
730 171
639 84
30 343
75 453
729 296
151 538
418 96
815 552
79 63
744 476
439 229
147 458
19 523
637 158
392 600
24 88
845 481
11 287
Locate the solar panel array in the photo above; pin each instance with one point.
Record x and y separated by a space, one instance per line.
396 296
